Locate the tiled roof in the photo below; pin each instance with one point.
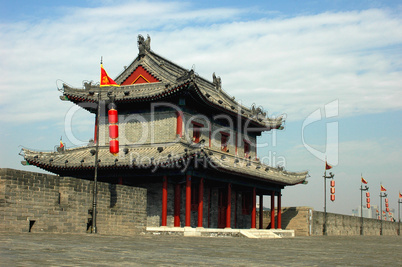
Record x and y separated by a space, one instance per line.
157 156
174 79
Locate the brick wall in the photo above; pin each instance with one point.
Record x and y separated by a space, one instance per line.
50 203
306 221
338 224
159 127
142 128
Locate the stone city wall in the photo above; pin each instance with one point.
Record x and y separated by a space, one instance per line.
36 202
338 224
306 221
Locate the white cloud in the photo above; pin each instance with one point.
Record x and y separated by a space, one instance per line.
292 65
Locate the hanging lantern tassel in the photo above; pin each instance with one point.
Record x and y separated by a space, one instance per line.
113 131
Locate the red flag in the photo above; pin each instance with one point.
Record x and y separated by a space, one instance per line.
364 180
105 80
383 188
327 166
400 195
61 144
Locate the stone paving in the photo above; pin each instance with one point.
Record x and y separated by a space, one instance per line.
98 250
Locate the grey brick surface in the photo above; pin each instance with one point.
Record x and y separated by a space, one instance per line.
61 204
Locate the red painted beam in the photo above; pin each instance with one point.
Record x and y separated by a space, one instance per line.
273 210
188 201
253 210
164 201
177 199
200 202
229 205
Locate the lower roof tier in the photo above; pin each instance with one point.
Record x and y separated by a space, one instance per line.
159 158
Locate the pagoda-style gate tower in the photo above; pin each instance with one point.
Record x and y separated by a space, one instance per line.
192 146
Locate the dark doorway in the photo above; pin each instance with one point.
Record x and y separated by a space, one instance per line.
31 224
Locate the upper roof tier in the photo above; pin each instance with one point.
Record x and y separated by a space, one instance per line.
151 77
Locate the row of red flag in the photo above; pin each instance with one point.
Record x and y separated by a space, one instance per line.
328 167
382 187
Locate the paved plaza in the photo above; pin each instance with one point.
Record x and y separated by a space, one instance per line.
99 250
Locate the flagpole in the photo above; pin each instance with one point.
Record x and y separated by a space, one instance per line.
331 175
381 196
325 202
380 213
361 206
361 202
399 213
95 190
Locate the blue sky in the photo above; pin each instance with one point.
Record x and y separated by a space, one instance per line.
292 57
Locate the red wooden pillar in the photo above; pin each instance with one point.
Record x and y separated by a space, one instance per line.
177 199
273 210
164 200
279 216
253 209
200 202
261 212
229 205
188 201
179 126
235 210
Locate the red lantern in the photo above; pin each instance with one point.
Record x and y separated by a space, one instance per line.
113 131
114 146
368 200
368 205
386 200
113 116
367 194
387 205
387 209
332 190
